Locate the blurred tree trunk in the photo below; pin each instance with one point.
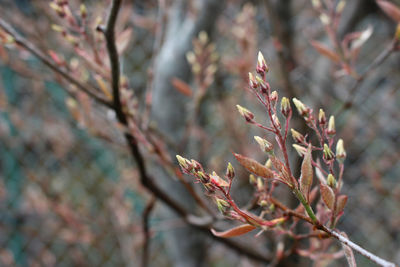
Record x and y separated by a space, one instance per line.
185 246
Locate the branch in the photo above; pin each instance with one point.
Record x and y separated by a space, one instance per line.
21 41
376 63
334 234
146 232
145 178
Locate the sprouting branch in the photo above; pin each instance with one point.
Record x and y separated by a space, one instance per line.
27 45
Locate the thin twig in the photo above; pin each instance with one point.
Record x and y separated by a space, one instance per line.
146 231
334 234
376 63
21 41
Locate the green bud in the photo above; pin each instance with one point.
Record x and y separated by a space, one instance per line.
328 154
331 181
340 152
331 126
264 144
230 171
285 106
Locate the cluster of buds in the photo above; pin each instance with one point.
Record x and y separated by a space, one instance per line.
203 59
257 81
211 182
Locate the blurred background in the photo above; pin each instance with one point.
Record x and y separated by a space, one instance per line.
70 194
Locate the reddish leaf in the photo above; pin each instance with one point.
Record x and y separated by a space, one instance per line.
181 86
253 166
237 231
327 196
306 177
348 252
341 202
390 9
325 51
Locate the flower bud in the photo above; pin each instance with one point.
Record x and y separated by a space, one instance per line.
316 3
321 117
260 184
196 165
328 154
263 203
252 81
268 164
222 205
203 177
331 126
300 150
261 64
263 85
247 114
340 152
252 179
230 171
331 181
264 144
301 108
285 106
184 163
276 121
274 96
83 11
297 137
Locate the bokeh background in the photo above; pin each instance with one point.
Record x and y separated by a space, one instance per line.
69 191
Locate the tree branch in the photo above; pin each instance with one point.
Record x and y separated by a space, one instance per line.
146 231
27 45
333 233
376 63
145 178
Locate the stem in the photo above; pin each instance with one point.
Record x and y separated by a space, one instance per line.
308 208
357 248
